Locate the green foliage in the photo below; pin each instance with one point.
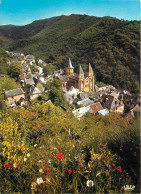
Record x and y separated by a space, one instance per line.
108 43
56 94
47 131
4 57
15 70
33 69
48 69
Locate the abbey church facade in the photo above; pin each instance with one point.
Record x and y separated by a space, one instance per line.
80 80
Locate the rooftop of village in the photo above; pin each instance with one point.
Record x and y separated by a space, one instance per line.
87 97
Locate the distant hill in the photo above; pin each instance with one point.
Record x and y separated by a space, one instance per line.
111 45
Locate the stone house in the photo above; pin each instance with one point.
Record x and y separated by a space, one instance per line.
34 93
30 59
27 84
14 96
113 104
80 112
85 102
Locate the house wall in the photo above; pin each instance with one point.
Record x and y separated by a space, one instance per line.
63 84
16 98
33 97
81 111
119 109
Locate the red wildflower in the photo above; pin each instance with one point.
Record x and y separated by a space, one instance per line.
127 176
10 165
60 156
6 165
113 164
119 168
17 166
47 171
69 171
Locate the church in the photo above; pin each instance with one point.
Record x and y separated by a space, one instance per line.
79 80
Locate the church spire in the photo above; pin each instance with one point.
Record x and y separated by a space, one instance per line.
80 72
90 68
69 69
70 64
89 71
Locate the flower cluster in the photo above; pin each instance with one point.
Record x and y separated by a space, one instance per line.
16 165
118 167
8 165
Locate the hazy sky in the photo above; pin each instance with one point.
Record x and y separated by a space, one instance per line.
22 12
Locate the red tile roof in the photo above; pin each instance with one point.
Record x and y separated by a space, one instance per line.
96 107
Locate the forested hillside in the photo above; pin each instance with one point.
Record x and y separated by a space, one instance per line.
111 45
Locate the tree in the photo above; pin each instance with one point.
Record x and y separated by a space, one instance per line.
15 70
4 57
48 69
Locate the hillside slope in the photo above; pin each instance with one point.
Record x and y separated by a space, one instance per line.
111 45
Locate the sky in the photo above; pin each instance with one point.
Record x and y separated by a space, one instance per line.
22 12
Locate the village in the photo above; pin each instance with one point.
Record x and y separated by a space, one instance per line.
82 93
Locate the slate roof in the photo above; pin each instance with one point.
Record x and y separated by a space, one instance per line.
30 57
21 77
29 82
76 100
94 95
82 95
129 116
14 92
73 77
63 78
115 93
17 55
136 109
28 76
90 70
70 64
100 85
85 102
108 103
96 107
80 70
40 87
34 91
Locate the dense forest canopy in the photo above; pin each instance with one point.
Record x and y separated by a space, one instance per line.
111 45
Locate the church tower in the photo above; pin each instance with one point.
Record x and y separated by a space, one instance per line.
70 69
90 77
80 75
